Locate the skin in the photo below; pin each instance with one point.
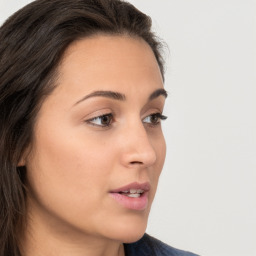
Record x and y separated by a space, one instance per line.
74 161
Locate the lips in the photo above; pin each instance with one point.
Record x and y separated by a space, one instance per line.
132 187
132 192
132 196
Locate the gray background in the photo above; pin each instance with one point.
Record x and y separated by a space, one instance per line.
206 201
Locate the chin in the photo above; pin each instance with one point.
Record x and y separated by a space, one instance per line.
130 230
131 238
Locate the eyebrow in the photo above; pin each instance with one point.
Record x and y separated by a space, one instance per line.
106 94
120 96
157 93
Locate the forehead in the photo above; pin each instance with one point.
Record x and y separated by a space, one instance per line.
117 63
102 55
104 46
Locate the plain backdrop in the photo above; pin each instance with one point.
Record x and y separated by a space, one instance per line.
206 201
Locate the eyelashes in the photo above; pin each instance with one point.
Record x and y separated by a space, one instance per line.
102 121
106 120
154 119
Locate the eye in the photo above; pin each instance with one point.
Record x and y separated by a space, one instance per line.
102 121
154 119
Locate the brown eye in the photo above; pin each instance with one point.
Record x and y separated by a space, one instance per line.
103 121
106 120
154 119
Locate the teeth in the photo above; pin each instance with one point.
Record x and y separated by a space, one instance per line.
133 192
136 191
133 195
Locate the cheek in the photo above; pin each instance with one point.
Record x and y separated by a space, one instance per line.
163 151
64 168
160 149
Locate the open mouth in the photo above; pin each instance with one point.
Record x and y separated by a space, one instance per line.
132 196
132 193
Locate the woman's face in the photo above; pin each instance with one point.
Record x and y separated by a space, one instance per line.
98 147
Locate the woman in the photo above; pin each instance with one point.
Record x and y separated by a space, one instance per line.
81 99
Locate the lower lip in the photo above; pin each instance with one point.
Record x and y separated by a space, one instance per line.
133 203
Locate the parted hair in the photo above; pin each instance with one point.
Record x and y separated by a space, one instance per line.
32 43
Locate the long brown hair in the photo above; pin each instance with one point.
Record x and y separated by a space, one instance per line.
32 42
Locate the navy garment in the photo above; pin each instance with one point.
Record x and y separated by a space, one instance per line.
150 246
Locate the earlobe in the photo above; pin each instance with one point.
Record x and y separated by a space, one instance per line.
21 162
23 158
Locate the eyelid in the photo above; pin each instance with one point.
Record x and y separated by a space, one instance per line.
158 115
97 113
100 117
153 118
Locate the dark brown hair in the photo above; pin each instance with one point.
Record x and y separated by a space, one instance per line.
32 42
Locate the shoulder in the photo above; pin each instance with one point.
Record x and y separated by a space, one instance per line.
150 246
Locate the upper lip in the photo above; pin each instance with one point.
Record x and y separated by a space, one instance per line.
135 185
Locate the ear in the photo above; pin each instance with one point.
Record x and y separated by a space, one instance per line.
21 162
23 159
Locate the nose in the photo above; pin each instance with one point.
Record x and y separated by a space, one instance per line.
137 149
